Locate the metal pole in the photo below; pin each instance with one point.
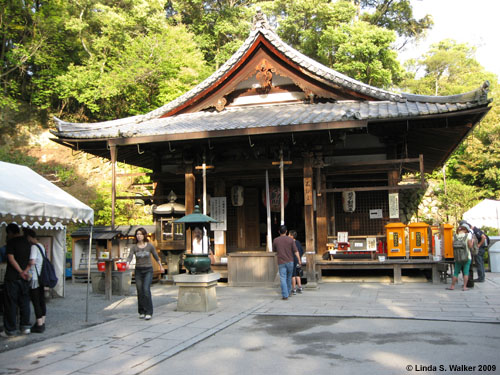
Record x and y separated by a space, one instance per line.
268 209
282 187
88 277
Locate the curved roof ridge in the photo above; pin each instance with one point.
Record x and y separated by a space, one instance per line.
261 26
479 95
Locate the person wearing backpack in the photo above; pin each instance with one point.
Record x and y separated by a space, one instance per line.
462 243
37 290
482 240
16 284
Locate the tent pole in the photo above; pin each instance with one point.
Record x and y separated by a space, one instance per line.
64 263
88 277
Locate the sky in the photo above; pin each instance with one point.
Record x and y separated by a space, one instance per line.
476 22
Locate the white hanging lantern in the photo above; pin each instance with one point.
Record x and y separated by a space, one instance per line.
237 195
349 201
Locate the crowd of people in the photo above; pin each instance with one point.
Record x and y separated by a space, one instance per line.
475 243
24 256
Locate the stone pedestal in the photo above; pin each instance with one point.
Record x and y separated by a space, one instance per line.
120 282
173 265
196 292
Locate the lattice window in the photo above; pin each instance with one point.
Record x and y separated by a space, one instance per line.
358 223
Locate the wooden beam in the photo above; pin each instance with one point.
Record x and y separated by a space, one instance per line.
138 174
375 162
373 188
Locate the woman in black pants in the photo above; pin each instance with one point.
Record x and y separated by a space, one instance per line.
37 291
143 250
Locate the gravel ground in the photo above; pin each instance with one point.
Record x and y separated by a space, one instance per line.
68 314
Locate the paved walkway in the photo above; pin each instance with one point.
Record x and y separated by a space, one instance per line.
129 345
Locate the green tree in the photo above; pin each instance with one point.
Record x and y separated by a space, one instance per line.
33 53
332 33
457 198
450 68
135 61
363 52
220 26
396 15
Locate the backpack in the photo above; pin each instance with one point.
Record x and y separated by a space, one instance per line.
460 252
47 276
475 246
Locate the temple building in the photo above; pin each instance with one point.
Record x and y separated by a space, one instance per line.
273 136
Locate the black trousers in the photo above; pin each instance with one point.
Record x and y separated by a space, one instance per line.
37 296
16 295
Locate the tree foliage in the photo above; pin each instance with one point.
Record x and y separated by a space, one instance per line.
362 52
450 68
396 16
220 26
456 198
134 60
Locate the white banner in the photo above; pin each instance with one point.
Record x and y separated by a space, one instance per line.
218 211
394 205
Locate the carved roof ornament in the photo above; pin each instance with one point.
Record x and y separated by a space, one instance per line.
221 103
265 76
260 20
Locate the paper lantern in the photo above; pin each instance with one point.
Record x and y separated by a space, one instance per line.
237 192
349 201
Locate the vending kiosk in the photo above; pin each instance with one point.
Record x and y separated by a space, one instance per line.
448 241
396 240
419 240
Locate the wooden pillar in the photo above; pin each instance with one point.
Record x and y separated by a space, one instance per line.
189 197
220 191
113 152
308 203
189 193
321 215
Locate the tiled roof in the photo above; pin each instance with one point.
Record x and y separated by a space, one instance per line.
391 105
260 117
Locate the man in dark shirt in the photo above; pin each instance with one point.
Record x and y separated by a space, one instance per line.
479 258
287 250
16 294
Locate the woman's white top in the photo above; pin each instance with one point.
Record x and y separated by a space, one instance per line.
37 257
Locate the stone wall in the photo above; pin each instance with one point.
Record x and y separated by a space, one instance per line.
418 205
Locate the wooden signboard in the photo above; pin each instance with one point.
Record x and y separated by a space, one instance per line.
308 191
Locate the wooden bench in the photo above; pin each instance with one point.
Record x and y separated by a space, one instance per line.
396 265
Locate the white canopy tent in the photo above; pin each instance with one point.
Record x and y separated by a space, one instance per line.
30 200
484 214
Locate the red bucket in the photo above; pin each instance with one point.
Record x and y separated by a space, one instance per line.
121 266
101 266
